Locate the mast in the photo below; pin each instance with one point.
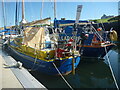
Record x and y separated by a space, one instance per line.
3 10
23 9
23 21
54 9
41 9
16 14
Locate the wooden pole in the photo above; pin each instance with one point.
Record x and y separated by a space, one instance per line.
73 62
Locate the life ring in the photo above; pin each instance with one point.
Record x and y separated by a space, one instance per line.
113 35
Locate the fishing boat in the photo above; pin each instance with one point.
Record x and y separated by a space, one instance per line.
94 42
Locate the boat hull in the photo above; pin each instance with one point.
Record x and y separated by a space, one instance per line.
64 66
95 52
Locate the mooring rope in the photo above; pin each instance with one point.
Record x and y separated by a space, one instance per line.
63 77
35 53
111 70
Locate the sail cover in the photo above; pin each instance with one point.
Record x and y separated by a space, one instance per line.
34 37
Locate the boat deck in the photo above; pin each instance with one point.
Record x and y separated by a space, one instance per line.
14 77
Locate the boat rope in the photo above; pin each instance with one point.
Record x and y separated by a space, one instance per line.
35 59
111 70
34 63
62 77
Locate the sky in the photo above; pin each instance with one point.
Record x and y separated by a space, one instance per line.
90 10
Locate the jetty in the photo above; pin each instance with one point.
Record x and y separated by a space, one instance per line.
13 77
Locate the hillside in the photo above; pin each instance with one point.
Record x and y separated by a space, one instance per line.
113 19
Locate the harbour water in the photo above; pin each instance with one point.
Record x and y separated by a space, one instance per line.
91 73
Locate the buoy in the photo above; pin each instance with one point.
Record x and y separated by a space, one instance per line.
113 35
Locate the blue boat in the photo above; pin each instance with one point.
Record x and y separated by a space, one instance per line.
94 48
45 57
95 43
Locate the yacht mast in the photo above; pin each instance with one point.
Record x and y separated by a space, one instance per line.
23 21
23 9
16 14
54 9
3 10
41 9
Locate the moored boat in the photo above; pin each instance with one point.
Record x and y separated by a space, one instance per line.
37 52
95 43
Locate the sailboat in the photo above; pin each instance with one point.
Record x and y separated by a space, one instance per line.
42 51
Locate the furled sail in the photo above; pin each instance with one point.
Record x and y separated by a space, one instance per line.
37 22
